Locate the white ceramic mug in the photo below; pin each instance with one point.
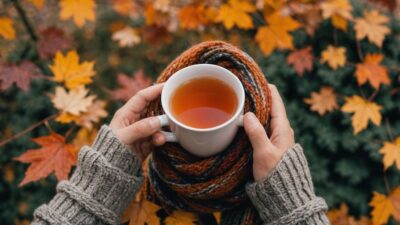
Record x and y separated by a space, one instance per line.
202 142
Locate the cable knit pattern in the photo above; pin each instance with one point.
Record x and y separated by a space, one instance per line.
106 179
286 196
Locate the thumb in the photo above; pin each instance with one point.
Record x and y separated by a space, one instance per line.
140 129
256 133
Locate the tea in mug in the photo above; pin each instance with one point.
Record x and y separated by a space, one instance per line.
203 102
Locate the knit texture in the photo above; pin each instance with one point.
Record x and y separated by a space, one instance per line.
180 180
106 179
286 196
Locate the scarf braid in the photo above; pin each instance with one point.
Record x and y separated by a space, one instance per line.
180 180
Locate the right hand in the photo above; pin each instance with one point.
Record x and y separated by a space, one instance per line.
268 151
139 134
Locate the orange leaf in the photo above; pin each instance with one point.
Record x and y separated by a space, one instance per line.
236 12
53 155
334 56
339 11
391 153
125 7
130 85
364 111
38 3
340 216
84 137
7 30
324 101
301 60
80 11
192 16
372 26
385 206
276 33
141 211
372 71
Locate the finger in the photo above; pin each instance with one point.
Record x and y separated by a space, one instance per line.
158 139
135 105
278 112
256 133
140 129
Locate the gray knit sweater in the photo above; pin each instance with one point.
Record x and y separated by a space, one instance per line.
109 175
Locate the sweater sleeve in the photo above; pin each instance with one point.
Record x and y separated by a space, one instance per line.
286 196
105 181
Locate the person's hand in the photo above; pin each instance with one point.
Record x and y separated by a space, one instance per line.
139 134
267 151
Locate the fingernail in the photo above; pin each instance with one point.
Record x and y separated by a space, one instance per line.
154 123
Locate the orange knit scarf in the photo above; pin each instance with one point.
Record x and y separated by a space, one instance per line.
179 180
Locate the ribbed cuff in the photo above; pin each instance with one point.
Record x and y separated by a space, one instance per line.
104 183
287 195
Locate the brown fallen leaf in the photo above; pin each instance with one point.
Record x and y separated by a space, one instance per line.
130 85
51 40
301 60
20 75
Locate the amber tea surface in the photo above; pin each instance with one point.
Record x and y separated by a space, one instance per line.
203 102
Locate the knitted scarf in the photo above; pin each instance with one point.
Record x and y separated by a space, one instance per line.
180 180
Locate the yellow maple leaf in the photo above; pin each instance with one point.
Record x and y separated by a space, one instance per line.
372 71
391 153
236 12
334 56
385 206
67 69
339 11
324 101
7 30
363 110
141 211
181 218
276 33
37 3
79 11
84 137
92 115
126 37
73 102
372 26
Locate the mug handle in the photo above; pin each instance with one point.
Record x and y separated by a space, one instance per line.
169 136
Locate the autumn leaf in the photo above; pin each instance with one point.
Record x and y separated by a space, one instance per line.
301 60
84 137
74 102
156 35
155 17
236 12
309 14
340 216
364 111
92 115
20 75
129 86
126 37
339 11
323 102
54 155
192 16
67 69
391 153
372 71
276 34
38 3
181 218
79 11
141 211
334 56
51 40
385 206
125 7
372 26
7 30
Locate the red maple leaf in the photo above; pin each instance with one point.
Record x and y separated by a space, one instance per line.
54 155
20 74
51 40
130 85
302 60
